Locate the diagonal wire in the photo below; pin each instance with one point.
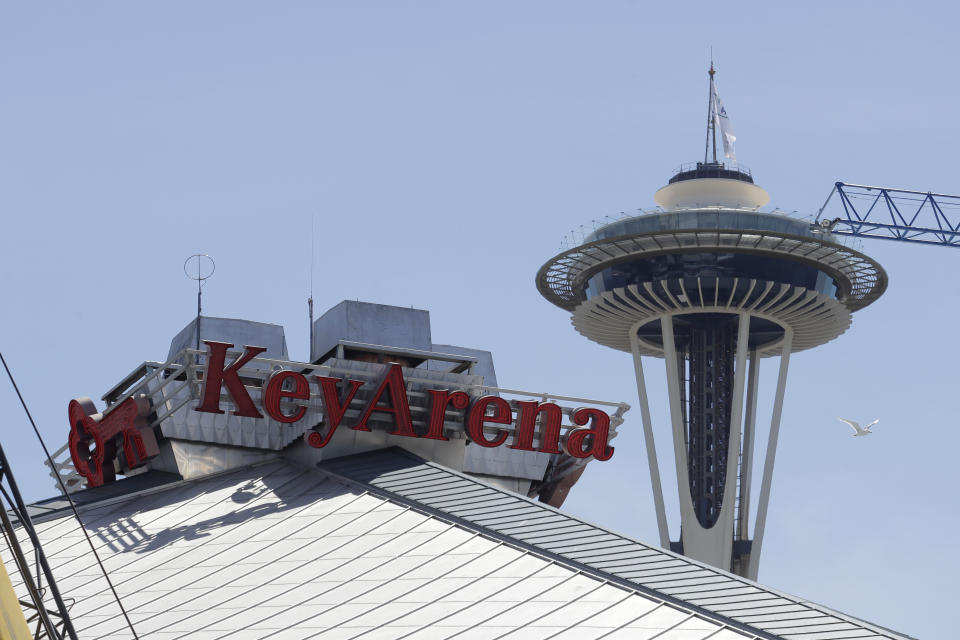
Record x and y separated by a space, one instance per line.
73 505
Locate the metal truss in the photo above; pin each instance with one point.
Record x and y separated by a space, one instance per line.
51 623
892 214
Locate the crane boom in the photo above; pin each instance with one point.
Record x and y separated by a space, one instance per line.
892 214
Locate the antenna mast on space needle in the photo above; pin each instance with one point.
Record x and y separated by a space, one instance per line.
711 285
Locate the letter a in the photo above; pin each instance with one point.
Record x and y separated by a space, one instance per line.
399 408
595 438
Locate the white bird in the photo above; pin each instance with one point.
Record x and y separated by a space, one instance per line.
860 431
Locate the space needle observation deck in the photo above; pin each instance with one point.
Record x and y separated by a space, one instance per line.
711 284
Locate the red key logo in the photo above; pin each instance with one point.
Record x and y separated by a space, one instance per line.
87 426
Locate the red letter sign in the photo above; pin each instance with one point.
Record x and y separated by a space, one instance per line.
478 415
597 435
394 385
217 376
274 393
438 410
333 408
549 426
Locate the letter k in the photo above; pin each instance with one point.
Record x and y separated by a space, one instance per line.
217 376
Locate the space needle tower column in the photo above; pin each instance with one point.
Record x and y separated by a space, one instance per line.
712 285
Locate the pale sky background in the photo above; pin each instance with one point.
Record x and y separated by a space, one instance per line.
444 150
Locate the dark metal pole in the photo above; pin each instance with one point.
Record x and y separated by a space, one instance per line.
310 306
199 307
27 524
706 148
24 566
713 110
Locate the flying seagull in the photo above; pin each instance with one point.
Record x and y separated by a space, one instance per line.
860 431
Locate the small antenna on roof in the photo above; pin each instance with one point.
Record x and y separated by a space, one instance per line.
313 233
199 267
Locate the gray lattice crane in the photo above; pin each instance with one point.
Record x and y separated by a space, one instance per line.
891 214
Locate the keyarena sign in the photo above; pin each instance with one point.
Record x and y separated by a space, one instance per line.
486 419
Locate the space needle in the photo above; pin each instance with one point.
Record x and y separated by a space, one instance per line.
711 284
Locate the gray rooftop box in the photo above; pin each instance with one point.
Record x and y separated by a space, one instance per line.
370 323
236 332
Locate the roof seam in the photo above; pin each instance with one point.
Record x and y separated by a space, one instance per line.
553 557
737 582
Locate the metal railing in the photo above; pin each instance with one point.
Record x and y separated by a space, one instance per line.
707 167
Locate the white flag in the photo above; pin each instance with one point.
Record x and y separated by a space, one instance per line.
721 121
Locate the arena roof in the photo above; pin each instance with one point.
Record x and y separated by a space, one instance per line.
385 545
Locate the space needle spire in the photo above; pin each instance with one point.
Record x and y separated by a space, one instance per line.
711 129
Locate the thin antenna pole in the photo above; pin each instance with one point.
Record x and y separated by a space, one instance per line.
713 107
199 305
313 234
710 124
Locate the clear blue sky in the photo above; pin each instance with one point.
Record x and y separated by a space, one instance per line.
445 149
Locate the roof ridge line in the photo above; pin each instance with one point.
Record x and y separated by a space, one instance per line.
787 596
896 635
549 555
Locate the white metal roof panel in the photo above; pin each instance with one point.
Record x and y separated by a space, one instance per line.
278 551
633 562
